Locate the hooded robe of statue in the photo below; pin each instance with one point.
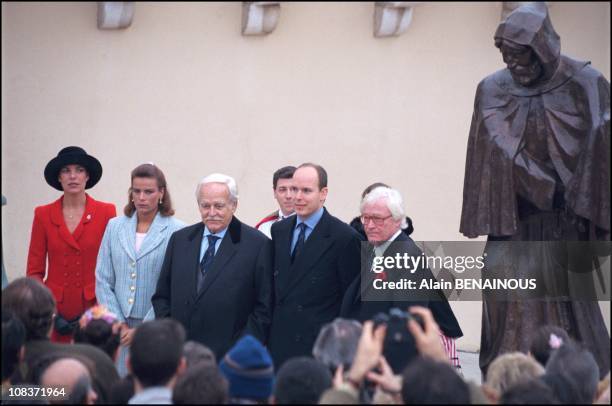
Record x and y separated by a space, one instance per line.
538 169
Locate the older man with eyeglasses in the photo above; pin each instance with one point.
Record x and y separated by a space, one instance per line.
383 218
216 277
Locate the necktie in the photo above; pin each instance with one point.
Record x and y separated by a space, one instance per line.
207 260
299 245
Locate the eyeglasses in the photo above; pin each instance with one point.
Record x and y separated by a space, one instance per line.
378 221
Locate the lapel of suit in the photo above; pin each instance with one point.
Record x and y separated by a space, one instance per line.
57 218
127 236
192 259
88 217
155 235
283 255
315 247
227 249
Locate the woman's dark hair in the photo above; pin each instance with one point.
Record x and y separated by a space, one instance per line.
149 170
99 333
573 374
541 347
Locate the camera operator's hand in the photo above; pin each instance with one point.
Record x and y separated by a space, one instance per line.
386 380
369 351
428 339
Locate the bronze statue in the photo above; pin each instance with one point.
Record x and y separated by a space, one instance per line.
538 169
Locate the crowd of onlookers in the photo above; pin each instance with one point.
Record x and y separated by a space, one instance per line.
348 364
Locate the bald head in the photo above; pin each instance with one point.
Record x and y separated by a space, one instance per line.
72 375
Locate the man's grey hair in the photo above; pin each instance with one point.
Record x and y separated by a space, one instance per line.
195 353
219 178
337 343
392 198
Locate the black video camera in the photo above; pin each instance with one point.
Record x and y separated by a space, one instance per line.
399 346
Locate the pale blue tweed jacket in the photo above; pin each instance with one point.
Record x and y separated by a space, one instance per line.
126 280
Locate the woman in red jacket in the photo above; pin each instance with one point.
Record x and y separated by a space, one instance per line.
68 233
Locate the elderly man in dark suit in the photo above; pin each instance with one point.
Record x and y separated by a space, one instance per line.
384 218
316 256
216 276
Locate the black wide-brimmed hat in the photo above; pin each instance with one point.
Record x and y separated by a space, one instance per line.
73 156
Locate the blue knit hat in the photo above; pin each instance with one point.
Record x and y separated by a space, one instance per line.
249 369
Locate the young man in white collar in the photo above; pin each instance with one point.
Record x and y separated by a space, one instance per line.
284 193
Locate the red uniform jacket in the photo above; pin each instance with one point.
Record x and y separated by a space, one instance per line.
71 257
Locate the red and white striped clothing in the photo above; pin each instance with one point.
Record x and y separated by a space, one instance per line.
451 350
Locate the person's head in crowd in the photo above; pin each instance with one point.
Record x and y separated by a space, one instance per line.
310 181
336 343
426 381
72 375
529 392
545 340
13 339
573 374
148 192
382 214
481 394
156 353
249 370
33 304
217 196
301 380
39 364
100 328
511 368
195 353
73 170
356 223
122 391
284 191
200 384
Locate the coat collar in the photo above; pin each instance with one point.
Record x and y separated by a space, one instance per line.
155 235
57 218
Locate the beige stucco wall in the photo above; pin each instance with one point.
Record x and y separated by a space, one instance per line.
182 88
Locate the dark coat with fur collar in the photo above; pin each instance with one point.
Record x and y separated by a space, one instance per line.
236 296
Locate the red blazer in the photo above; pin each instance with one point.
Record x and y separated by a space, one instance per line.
71 257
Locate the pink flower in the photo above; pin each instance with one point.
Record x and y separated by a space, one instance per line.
555 342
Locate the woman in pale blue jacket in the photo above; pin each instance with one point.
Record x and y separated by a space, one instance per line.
132 253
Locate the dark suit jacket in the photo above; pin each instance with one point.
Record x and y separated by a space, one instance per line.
236 297
308 293
353 307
